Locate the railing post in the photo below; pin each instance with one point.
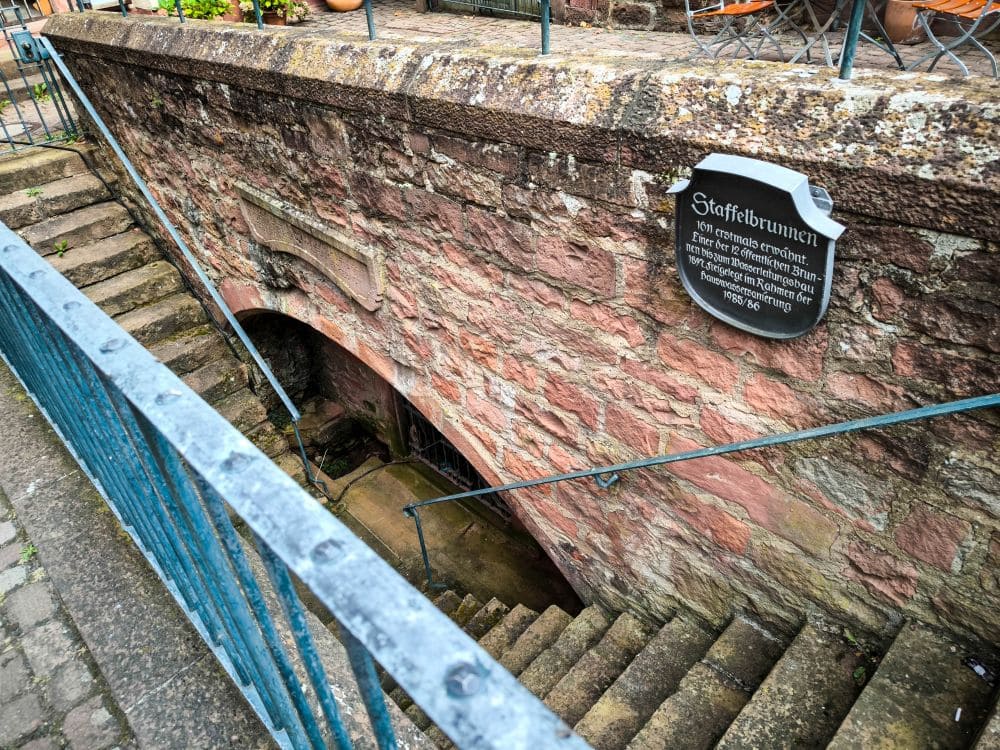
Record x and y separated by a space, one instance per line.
851 40
545 7
370 18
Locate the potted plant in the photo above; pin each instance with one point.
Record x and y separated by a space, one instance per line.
205 9
273 12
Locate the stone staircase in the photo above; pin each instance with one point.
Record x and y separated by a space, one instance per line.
619 681
624 684
66 214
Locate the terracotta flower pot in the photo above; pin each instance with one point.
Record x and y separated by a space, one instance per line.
342 6
901 22
272 18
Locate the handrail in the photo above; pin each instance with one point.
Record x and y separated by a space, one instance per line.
172 469
605 476
217 299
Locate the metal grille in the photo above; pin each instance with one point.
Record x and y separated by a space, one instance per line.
426 443
33 110
518 8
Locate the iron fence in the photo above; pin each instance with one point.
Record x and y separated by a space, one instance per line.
169 467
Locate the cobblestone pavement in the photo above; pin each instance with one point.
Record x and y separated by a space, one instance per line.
51 695
397 20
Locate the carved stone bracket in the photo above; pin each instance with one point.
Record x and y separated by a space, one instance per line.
355 269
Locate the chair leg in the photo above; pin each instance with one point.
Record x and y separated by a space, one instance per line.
967 37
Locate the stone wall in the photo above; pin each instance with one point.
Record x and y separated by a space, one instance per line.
518 210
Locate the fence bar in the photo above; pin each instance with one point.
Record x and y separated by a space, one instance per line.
370 18
370 689
851 40
545 26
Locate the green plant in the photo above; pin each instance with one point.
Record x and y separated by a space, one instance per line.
282 7
205 9
28 551
33 192
860 675
61 247
4 103
156 102
40 92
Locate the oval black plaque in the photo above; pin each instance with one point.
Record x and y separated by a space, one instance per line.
755 245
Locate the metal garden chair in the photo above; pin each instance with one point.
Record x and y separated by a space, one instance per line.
742 25
974 19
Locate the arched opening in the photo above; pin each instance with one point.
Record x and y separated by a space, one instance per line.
377 452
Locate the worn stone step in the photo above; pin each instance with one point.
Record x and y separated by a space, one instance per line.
439 738
540 635
105 258
447 601
503 635
153 323
35 168
803 699
714 691
77 228
217 379
922 695
401 698
491 613
136 288
24 207
587 680
192 349
989 736
469 606
552 664
639 690
292 466
265 436
243 410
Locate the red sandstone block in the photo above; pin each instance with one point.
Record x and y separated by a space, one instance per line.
696 360
459 438
520 372
931 536
576 263
724 430
482 350
628 429
437 212
573 343
447 388
418 342
483 409
548 421
402 303
887 299
459 181
712 522
956 318
766 505
497 157
881 573
532 290
374 196
606 318
570 397
800 358
473 265
776 400
563 463
865 391
497 234
656 377
961 376
521 467
532 441
658 410
485 438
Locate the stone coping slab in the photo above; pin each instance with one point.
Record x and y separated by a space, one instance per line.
907 147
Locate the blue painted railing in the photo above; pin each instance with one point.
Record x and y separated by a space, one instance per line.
169 466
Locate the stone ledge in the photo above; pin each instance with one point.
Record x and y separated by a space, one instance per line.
905 147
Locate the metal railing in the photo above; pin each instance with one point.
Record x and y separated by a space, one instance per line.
31 49
606 476
169 466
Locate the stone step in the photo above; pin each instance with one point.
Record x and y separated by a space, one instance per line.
292 466
265 436
97 261
136 288
540 635
37 167
552 664
638 691
463 614
989 737
804 698
154 323
714 692
243 410
447 601
192 349
505 633
77 228
24 207
922 695
217 379
486 618
587 680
